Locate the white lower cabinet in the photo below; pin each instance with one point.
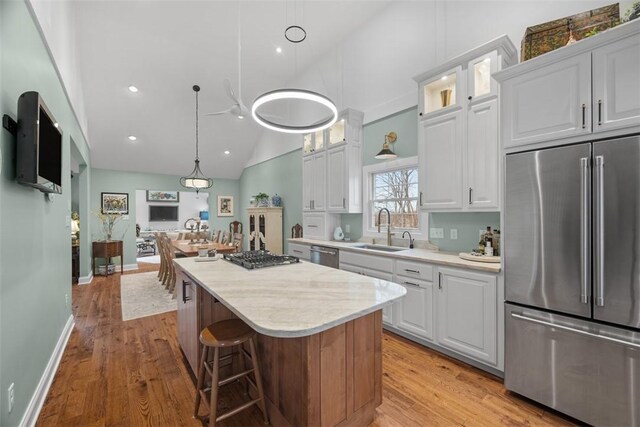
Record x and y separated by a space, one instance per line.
415 310
467 315
452 308
299 250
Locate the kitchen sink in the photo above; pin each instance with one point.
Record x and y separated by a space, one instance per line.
380 248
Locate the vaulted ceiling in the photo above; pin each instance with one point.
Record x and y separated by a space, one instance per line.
165 47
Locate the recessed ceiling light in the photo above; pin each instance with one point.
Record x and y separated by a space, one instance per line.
227 152
132 138
278 49
133 89
444 78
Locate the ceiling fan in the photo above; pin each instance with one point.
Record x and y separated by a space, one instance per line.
237 109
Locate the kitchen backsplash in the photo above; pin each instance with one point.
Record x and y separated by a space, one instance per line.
468 226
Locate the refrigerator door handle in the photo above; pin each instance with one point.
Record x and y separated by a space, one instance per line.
577 331
599 231
585 230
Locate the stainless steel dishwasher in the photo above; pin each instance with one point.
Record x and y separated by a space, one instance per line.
325 256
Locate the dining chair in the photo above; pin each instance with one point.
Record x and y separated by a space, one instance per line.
235 227
296 231
160 248
238 238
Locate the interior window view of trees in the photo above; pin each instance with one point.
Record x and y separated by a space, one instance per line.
397 191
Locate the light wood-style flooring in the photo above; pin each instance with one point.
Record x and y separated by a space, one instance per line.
116 373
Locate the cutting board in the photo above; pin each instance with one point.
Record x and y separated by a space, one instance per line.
482 258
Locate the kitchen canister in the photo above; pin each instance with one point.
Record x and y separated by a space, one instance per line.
276 201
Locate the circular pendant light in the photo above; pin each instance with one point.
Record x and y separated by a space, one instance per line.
306 95
196 179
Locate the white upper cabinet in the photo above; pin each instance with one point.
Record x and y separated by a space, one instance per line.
458 139
567 95
482 156
548 103
440 161
313 177
616 85
337 188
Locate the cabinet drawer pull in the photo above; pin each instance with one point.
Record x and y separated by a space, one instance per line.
296 251
439 280
412 284
184 291
470 202
344 202
584 116
312 226
599 112
408 270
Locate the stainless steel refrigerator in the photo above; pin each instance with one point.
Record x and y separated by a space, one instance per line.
572 279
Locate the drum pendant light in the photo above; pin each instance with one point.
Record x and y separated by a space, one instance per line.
196 178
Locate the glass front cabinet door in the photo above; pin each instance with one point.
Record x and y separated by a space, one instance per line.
338 133
480 84
440 93
312 142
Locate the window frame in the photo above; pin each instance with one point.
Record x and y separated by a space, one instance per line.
369 229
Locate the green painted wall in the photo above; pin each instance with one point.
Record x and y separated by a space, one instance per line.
104 180
35 253
282 175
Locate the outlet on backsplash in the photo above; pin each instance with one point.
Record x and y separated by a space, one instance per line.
436 233
453 234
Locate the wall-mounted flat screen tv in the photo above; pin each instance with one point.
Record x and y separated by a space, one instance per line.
39 145
163 213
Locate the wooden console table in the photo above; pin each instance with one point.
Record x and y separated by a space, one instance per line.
107 249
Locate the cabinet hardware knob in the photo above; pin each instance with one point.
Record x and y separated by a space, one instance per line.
470 97
420 113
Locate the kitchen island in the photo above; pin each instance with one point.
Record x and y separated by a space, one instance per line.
319 334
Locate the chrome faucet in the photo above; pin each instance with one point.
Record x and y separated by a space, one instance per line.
410 239
389 234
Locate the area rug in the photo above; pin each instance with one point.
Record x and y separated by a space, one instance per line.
153 259
142 295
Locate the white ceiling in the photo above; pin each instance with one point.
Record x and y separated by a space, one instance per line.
164 47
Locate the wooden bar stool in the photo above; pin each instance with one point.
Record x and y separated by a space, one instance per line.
222 334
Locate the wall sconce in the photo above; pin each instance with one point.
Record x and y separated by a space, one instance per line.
386 153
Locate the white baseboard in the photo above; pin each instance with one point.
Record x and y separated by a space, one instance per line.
37 400
129 267
85 280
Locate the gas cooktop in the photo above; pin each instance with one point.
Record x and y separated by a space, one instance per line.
259 259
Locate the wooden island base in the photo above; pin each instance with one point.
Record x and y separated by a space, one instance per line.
333 378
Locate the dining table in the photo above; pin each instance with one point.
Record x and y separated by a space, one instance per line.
191 249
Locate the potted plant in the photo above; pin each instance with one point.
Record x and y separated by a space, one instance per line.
262 199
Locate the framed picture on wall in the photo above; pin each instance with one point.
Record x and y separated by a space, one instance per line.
163 196
117 203
225 205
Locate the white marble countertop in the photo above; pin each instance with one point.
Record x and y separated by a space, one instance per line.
422 255
292 300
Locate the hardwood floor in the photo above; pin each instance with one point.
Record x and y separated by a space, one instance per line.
116 373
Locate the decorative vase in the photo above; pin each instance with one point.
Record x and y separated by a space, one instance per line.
445 97
252 202
338 234
263 203
276 201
